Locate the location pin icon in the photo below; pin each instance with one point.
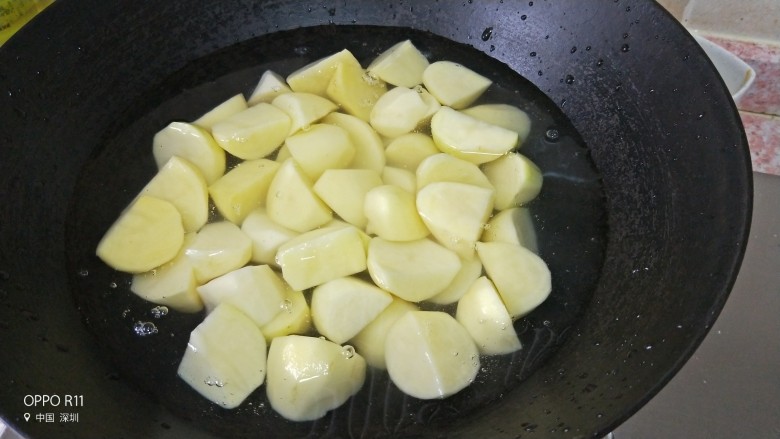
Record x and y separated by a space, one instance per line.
26 417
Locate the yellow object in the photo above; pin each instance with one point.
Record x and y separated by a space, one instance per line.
16 13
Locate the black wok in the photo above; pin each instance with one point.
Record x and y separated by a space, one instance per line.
644 227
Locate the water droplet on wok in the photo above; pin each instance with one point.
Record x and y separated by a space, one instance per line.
569 79
142 329
487 33
625 48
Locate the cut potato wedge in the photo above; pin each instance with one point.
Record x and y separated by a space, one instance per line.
192 143
182 184
409 150
369 149
469 138
454 85
513 226
344 191
295 317
469 272
243 189
392 214
444 167
292 202
354 91
269 87
225 359
516 178
403 178
315 77
304 109
485 317
370 341
234 105
253 133
319 148
342 307
397 112
503 115
266 235
216 249
149 233
401 65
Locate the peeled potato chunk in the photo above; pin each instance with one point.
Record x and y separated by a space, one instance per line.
485 317
369 149
444 167
304 109
243 188
147 234
315 77
295 317
409 150
470 139
503 115
397 112
309 376
342 307
319 148
430 355
344 191
514 226
225 359
292 202
516 178
321 255
270 86
216 249
192 143
370 341
403 178
254 290
454 85
392 214
266 236
253 133
401 65
413 270
182 184
221 112
354 90
520 276
469 272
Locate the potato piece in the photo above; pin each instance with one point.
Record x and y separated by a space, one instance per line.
292 202
321 147
181 183
282 154
315 77
432 104
221 112
409 150
514 226
172 284
308 376
455 213
397 112
369 149
295 317
430 355
503 115
193 144
269 87
266 236
147 234
516 178
253 133
225 359
304 109
444 167
354 90
401 65
254 290
392 214
403 178
485 317
454 85
469 272
321 255
470 139
342 307
413 270
243 188
520 276
216 249
344 191
370 341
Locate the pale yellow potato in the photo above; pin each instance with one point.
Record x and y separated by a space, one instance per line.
503 115
315 77
397 112
282 154
221 112
254 290
344 191
268 87
369 149
321 147
304 109
370 341
516 178
401 65
216 249
485 317
149 233
455 213
354 91
322 255
430 355
469 272
454 85
431 102
515 226
412 270
182 184
407 151
266 235
403 178
469 138
295 317
292 202
444 167
342 307
309 376
243 188
253 133
225 359
392 214
192 143
521 277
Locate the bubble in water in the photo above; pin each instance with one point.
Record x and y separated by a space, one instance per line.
209 381
112 285
301 50
487 33
624 48
83 272
143 329
159 311
552 135
348 351
125 312
286 305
